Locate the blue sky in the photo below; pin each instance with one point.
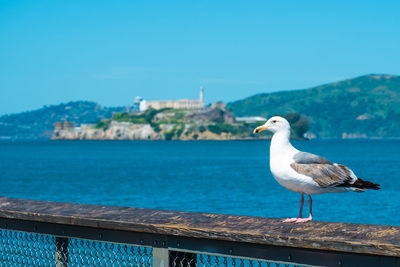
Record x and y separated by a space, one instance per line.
111 51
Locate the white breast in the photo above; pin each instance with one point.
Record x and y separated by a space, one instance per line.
290 179
281 156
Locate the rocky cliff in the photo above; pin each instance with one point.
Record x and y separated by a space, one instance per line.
115 131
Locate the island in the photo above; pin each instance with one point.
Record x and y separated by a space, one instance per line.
209 123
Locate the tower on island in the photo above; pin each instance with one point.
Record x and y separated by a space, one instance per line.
202 95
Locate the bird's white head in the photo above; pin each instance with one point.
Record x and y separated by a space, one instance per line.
274 124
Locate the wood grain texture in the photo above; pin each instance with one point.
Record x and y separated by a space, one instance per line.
344 237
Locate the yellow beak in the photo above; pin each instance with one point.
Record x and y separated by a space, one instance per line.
259 129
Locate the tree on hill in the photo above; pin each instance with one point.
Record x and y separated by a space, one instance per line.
300 124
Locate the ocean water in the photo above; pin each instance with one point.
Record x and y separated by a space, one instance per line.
230 177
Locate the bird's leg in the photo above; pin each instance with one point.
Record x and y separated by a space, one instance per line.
301 211
301 206
300 220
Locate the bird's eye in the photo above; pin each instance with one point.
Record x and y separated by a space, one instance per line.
274 121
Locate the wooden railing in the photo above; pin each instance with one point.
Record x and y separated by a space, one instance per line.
175 238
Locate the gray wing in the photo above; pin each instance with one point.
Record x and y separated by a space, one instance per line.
308 158
323 172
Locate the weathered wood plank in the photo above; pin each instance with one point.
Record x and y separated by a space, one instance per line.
344 237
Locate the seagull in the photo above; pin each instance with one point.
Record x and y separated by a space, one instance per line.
304 172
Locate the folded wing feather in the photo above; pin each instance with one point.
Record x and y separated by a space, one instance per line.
323 172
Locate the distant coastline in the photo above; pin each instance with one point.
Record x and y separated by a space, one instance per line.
366 107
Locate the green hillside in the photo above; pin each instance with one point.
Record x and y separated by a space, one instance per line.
366 106
39 123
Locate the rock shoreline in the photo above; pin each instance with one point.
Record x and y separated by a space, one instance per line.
130 131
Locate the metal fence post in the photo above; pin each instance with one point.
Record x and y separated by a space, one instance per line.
182 259
160 257
62 251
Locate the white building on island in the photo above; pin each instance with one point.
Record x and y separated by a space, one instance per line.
251 119
139 104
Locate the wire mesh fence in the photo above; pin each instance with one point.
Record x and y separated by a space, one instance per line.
95 253
187 259
30 249
26 249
